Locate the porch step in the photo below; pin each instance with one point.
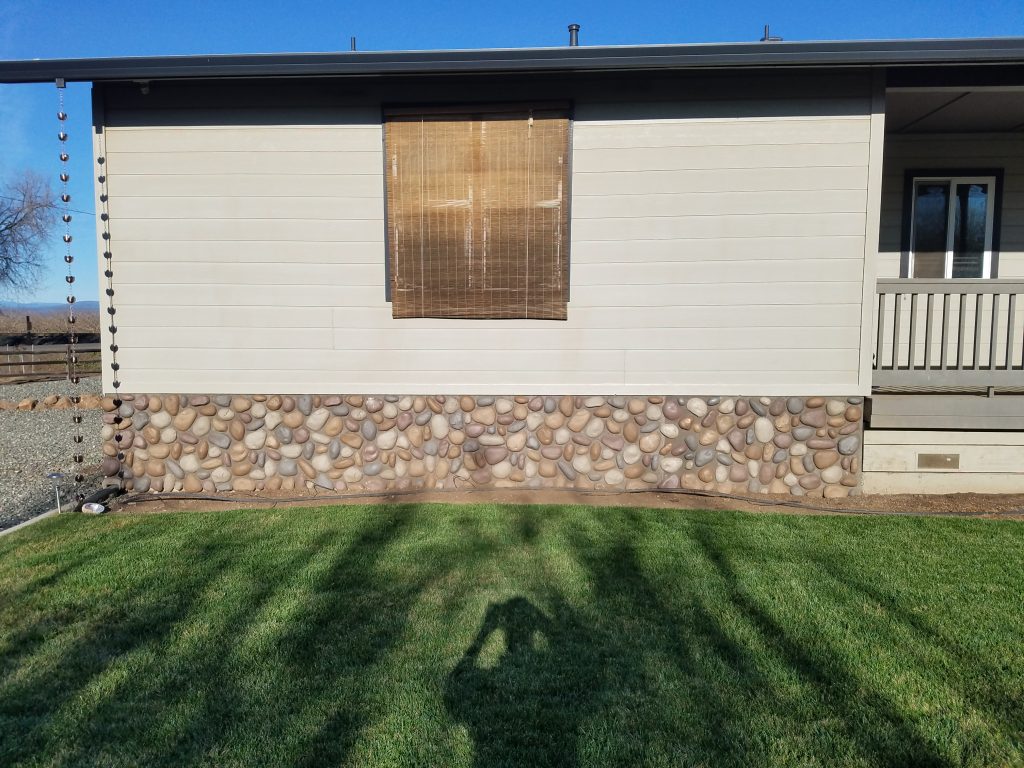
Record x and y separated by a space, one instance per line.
947 411
924 461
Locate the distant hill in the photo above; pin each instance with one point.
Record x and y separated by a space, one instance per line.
29 307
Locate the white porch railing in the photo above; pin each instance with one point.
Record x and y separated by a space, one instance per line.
949 334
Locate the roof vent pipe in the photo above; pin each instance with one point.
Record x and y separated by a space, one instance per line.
574 34
768 37
352 43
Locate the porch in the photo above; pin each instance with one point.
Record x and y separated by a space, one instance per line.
948 332
947 408
948 354
946 413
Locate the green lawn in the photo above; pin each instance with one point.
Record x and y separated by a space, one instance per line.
506 635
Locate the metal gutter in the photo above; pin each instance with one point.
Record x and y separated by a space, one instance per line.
511 60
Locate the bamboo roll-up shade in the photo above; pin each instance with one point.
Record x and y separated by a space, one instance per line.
478 213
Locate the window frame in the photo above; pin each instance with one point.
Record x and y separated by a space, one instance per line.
403 108
954 177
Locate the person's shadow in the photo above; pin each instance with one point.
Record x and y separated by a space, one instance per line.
523 686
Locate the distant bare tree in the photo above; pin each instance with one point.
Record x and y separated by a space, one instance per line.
28 216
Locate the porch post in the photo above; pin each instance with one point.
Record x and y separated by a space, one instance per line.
871 224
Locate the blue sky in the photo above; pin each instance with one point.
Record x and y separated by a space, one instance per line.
82 28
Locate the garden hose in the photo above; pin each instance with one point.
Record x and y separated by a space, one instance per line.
142 498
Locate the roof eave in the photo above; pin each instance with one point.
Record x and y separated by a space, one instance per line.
494 61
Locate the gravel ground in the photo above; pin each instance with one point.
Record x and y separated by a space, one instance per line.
34 443
40 389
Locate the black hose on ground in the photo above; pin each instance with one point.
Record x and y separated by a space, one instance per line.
142 498
99 496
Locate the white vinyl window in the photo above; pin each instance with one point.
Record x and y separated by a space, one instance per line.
951 227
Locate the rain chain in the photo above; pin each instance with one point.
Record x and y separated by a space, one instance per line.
74 379
108 273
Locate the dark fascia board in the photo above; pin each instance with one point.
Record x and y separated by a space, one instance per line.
566 59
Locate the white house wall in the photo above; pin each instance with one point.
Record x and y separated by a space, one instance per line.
717 246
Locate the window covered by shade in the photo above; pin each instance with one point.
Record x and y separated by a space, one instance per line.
477 212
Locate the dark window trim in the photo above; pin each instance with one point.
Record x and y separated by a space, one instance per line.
454 108
908 207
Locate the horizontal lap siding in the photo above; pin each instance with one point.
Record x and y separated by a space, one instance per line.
369 275
716 247
989 462
523 340
672 297
745 214
708 181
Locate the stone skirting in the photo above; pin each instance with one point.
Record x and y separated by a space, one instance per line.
800 446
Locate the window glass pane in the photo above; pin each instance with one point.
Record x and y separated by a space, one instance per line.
931 215
969 219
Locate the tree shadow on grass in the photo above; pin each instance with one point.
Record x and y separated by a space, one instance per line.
198 691
980 681
51 660
339 650
733 664
204 682
601 638
871 724
665 670
356 616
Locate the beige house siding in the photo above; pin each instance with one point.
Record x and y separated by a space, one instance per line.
980 462
717 246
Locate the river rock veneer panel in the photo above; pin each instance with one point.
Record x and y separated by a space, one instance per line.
799 446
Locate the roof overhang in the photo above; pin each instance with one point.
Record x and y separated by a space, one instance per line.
979 51
955 110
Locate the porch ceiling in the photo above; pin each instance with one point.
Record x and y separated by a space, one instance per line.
955 111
